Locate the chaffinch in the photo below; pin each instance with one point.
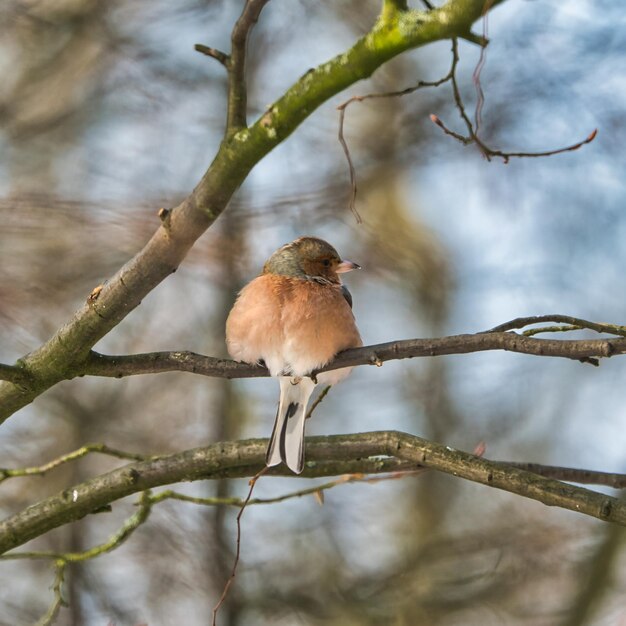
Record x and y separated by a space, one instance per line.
296 316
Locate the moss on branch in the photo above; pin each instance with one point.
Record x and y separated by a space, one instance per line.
396 31
372 452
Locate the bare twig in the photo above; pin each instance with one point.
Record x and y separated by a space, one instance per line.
389 94
531 332
464 140
39 470
58 600
505 156
346 479
214 53
117 539
233 573
472 128
318 401
61 559
237 91
575 323
346 151
480 94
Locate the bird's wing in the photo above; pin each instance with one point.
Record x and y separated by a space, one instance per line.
346 294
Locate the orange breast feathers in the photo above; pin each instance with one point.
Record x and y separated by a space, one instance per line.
294 325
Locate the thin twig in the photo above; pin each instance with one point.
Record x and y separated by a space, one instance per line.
472 130
389 94
318 401
464 140
480 94
58 600
237 90
505 156
117 539
574 322
61 559
531 332
39 470
300 493
233 573
353 185
214 53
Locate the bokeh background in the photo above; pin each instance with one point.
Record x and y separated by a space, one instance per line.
107 114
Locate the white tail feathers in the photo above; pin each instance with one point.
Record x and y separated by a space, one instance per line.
287 441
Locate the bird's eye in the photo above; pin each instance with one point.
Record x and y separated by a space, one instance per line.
326 262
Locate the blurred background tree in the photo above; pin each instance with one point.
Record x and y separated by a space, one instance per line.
107 113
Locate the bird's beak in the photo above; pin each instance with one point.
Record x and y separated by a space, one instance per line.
347 266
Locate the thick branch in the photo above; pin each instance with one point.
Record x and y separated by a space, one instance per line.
354 453
61 357
154 362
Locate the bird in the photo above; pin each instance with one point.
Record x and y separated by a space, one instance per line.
295 317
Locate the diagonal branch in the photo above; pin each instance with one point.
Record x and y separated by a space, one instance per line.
62 356
358 452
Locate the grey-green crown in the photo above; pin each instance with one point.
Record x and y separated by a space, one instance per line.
287 261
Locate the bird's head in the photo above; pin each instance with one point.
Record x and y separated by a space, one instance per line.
309 258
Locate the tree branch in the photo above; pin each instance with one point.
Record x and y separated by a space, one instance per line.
62 356
573 475
421 84
577 322
218 55
567 474
155 362
89 448
237 89
58 600
362 452
473 128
